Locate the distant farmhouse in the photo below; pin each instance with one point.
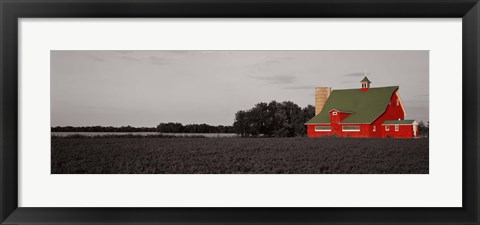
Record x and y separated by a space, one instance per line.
365 112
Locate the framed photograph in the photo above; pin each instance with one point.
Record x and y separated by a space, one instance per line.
230 112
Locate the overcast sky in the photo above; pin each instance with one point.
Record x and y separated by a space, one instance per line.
145 88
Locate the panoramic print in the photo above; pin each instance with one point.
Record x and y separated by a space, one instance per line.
239 112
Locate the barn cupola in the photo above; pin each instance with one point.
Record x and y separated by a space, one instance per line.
365 84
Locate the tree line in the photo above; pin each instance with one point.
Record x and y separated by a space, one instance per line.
162 128
193 128
274 119
103 129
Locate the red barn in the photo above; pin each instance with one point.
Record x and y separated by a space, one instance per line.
365 112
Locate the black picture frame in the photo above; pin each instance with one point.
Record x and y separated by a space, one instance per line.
12 10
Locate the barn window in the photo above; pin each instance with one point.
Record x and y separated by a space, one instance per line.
323 128
374 128
350 128
396 127
334 113
387 128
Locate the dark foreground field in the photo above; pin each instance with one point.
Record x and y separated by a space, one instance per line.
238 155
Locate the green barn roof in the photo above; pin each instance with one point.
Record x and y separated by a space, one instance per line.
392 122
365 107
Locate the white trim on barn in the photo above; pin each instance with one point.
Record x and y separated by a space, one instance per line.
401 103
340 111
350 130
323 130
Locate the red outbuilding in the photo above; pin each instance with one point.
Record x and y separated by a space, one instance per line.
365 112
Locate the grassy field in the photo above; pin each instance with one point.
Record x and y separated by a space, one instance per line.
116 155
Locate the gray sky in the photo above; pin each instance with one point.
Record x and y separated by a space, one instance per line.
145 88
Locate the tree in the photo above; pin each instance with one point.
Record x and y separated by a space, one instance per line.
285 119
241 125
423 129
307 113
